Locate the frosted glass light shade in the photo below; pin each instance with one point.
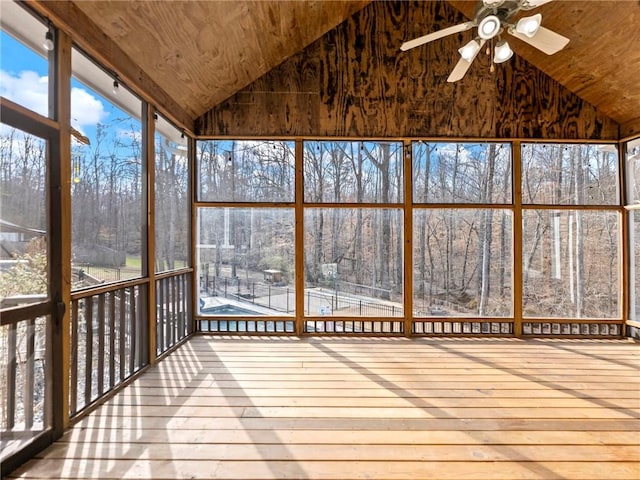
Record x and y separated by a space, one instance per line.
502 52
529 26
470 50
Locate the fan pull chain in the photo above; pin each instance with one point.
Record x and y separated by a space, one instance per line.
492 67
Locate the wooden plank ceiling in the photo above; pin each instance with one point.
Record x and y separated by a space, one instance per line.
202 52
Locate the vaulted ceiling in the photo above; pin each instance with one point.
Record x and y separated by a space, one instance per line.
194 55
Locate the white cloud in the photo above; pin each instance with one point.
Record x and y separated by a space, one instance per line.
30 90
86 110
27 89
133 135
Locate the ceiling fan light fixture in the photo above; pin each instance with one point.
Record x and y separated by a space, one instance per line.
502 52
470 50
529 26
489 27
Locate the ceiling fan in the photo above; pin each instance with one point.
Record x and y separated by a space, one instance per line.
492 18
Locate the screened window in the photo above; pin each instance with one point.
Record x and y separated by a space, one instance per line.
569 174
23 226
633 172
246 261
461 173
172 212
24 73
353 172
107 194
634 271
353 262
462 262
246 171
571 264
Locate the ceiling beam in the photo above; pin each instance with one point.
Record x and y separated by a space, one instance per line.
89 36
630 129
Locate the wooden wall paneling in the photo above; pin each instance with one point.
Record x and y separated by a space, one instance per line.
288 98
356 82
533 105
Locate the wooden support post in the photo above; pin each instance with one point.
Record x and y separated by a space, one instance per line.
192 195
60 229
148 259
299 236
408 238
517 238
625 225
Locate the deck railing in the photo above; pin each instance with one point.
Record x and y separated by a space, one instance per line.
24 375
109 332
108 341
173 309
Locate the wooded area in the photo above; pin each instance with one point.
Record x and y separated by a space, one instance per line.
462 222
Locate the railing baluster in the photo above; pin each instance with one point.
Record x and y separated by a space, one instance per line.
179 310
167 313
11 376
174 310
88 318
143 330
112 339
160 312
132 329
73 360
101 316
29 374
121 333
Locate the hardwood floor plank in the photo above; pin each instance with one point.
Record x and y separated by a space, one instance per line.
137 391
355 408
342 470
422 410
369 437
493 401
343 452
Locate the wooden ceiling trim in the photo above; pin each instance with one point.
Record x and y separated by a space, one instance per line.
87 34
355 82
630 129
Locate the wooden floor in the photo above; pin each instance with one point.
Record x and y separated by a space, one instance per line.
345 408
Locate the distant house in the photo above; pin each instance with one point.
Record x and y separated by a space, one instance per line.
15 238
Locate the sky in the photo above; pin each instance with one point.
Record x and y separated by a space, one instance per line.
24 80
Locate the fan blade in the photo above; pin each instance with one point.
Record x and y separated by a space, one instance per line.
531 4
416 42
545 40
460 70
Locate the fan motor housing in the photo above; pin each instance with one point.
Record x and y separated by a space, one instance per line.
504 11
